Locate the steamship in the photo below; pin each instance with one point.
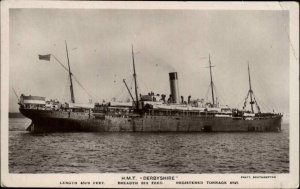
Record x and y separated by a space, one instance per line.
147 113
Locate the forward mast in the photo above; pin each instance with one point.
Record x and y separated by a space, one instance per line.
135 82
70 75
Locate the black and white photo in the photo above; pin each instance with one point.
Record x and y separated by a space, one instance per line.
150 94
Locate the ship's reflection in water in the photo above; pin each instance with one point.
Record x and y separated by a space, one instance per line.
146 152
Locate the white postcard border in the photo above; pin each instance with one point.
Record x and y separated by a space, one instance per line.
290 180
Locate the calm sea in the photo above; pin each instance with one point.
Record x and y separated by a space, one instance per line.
146 152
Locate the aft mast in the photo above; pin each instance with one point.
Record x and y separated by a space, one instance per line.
251 94
135 85
70 74
250 91
211 83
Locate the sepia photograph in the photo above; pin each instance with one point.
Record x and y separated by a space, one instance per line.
149 96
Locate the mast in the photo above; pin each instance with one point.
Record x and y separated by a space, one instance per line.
70 74
135 85
211 83
250 90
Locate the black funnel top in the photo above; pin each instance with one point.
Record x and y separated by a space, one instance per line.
173 76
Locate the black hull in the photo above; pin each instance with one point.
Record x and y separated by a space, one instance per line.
62 121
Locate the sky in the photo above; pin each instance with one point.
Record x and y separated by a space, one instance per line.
99 44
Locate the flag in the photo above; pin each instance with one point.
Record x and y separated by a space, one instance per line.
45 57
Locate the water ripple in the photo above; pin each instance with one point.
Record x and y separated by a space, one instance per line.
146 152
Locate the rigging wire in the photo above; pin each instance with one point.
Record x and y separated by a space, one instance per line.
240 103
264 97
60 63
58 92
220 98
246 100
264 106
243 100
206 94
117 94
258 100
65 88
131 84
144 85
77 81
